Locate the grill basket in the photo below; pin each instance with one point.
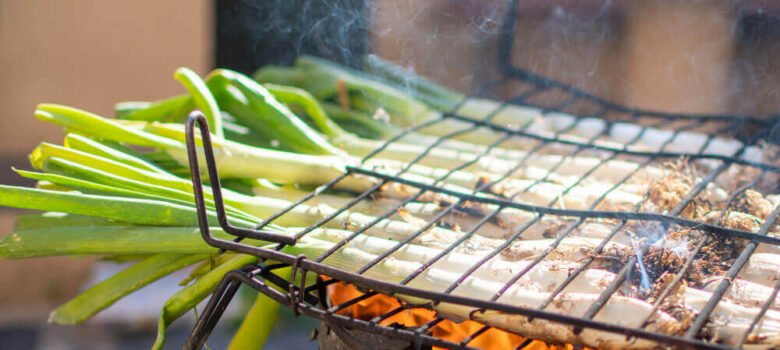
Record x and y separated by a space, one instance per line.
551 96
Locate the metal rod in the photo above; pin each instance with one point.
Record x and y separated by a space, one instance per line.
764 308
530 135
699 245
725 283
307 304
663 218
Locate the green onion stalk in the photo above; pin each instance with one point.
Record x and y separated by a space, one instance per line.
322 79
169 242
569 170
130 176
102 198
68 162
262 206
236 160
235 93
92 174
417 100
70 167
571 167
169 248
577 197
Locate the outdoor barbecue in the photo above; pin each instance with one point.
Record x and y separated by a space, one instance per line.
404 214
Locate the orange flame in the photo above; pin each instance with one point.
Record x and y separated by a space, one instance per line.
448 330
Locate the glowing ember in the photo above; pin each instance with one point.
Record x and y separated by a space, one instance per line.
448 330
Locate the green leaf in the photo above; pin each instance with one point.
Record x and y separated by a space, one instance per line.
202 97
106 240
34 221
47 150
141 185
293 95
87 145
191 295
266 113
95 125
257 324
155 111
130 210
206 266
84 186
125 108
360 123
105 293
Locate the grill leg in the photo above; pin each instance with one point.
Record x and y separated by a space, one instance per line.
213 312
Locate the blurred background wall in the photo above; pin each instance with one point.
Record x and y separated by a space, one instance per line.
691 56
89 54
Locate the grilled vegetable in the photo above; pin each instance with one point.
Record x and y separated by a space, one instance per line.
368 94
239 160
572 301
135 203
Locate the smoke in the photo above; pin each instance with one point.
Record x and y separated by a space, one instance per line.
254 33
586 44
661 248
644 278
445 40
450 41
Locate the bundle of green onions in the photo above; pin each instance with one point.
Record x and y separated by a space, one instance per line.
120 188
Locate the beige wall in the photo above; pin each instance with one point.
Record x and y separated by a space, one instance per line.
91 54
673 56
88 54
682 62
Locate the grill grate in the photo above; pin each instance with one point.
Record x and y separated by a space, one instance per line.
551 96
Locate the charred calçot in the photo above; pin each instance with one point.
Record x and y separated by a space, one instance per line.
143 203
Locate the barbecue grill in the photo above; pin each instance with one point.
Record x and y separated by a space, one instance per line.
310 297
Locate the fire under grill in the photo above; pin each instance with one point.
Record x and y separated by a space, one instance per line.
677 233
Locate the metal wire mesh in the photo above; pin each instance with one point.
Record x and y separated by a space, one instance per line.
485 205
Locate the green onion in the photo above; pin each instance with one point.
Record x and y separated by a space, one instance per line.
263 113
32 221
421 88
151 111
190 296
130 210
257 324
292 95
118 189
87 145
105 240
201 97
124 109
105 293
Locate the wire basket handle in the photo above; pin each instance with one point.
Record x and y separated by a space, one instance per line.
216 188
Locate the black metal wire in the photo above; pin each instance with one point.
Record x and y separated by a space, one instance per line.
604 214
571 228
517 234
725 283
500 203
699 245
391 288
300 297
580 221
764 308
623 274
471 337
